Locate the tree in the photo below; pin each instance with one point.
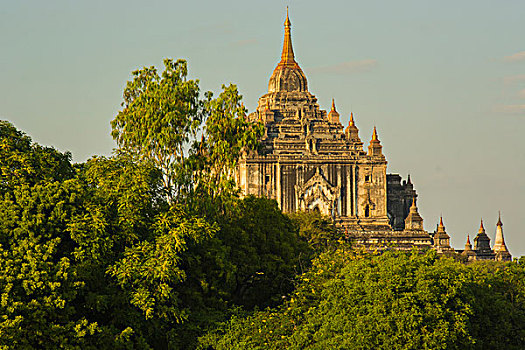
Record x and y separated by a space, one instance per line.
161 114
22 162
393 300
250 263
38 283
227 135
318 230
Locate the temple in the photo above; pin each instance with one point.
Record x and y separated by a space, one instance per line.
309 161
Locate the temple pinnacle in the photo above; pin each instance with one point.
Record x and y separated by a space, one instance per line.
287 56
413 207
499 219
481 228
351 122
374 135
333 105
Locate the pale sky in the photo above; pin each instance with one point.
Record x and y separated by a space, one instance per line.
443 81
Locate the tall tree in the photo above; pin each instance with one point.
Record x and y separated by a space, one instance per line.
161 114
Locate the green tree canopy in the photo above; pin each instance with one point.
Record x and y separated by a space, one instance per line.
160 115
161 118
22 162
393 300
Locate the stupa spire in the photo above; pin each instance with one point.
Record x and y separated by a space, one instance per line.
351 122
482 241
413 203
468 246
374 149
287 56
352 133
481 228
414 221
500 248
333 116
287 76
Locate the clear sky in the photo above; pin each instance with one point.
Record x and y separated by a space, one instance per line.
443 81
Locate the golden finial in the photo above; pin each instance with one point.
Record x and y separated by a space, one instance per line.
333 105
351 122
481 228
468 239
441 222
499 219
287 56
374 135
413 207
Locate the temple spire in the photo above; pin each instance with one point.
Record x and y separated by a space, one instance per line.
481 228
500 248
374 135
287 56
352 132
482 241
413 203
287 76
351 122
413 221
333 116
441 238
468 246
375 148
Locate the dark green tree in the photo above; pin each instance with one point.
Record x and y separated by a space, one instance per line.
319 231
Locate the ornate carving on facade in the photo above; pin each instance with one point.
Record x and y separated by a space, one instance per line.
318 194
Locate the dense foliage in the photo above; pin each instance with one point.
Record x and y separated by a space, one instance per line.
394 300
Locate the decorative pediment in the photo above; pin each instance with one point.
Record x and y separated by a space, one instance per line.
318 193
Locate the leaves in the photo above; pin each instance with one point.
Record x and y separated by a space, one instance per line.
395 300
150 270
160 114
